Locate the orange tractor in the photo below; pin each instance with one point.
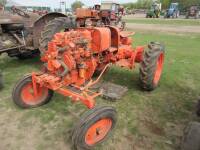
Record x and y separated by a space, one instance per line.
108 13
70 60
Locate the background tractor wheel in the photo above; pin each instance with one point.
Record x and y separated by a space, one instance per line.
191 139
198 109
24 97
57 25
94 127
151 66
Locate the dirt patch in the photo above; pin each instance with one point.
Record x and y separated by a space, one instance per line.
20 132
154 128
163 28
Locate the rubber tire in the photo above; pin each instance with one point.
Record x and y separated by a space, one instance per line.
198 109
191 138
1 81
86 121
148 65
17 91
53 27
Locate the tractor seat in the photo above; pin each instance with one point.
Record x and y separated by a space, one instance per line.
125 34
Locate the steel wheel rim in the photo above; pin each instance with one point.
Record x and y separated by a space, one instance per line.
98 131
159 68
28 97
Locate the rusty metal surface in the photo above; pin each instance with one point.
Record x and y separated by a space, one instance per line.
110 90
9 18
33 25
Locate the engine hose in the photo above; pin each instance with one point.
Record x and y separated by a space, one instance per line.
63 48
66 70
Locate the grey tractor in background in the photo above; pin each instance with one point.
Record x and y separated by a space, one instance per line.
20 31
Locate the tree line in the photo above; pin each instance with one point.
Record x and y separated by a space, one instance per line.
3 2
146 4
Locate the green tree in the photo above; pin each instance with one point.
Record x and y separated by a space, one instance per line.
165 3
140 4
144 4
187 3
77 4
3 2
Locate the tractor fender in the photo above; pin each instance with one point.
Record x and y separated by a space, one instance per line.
39 25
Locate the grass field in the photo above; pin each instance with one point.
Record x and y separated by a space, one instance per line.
146 121
181 22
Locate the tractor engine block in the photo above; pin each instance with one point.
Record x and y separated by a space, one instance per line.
69 56
75 55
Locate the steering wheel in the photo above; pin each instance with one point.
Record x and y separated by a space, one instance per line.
20 12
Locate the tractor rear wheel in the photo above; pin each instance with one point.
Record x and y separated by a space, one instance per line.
151 67
23 94
55 26
198 109
94 127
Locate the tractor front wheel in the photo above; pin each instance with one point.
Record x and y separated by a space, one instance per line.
151 67
24 97
94 127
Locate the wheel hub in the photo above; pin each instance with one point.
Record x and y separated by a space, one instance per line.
159 69
98 131
28 96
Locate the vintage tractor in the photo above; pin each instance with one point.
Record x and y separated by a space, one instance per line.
111 14
70 60
108 13
20 32
173 11
155 10
85 16
193 11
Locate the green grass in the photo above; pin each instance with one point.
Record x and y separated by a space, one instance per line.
146 120
181 22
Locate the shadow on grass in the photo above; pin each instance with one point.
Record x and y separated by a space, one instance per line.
123 77
7 63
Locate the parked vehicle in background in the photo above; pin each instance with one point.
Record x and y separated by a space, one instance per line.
155 10
111 14
20 31
108 13
173 11
193 11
